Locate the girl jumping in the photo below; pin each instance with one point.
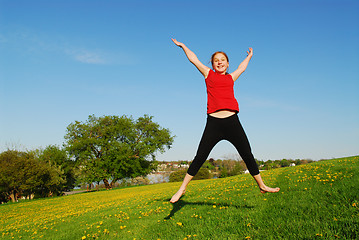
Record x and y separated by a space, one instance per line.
222 119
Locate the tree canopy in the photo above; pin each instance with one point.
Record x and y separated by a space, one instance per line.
23 174
58 158
112 147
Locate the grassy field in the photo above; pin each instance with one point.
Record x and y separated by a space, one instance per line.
317 201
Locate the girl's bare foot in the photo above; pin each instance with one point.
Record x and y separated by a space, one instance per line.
269 189
177 196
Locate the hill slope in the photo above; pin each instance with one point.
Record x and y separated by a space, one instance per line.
318 200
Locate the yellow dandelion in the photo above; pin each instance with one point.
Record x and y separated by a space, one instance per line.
83 237
179 224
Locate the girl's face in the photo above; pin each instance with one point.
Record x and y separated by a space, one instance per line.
220 63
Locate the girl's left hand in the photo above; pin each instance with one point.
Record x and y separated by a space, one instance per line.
250 52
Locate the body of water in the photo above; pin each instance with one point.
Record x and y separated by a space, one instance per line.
158 177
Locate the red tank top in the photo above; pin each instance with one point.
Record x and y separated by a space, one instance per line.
220 93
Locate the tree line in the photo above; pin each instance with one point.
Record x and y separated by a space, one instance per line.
230 167
107 149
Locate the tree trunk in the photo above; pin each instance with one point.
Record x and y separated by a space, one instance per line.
112 185
107 184
13 196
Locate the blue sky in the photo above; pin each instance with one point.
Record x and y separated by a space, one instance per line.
61 61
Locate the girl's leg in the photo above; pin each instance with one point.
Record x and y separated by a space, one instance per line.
238 138
235 134
182 189
263 188
210 138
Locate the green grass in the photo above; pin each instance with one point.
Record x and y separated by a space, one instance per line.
317 201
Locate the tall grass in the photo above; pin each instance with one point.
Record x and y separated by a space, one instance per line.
317 201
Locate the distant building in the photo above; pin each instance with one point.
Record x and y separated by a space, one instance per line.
183 165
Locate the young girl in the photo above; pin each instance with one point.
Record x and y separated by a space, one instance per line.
222 121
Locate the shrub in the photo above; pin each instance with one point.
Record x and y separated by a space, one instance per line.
178 176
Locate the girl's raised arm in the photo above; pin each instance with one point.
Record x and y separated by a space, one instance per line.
193 58
242 67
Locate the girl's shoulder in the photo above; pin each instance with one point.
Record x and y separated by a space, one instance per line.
210 75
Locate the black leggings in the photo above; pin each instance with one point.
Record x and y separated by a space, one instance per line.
218 129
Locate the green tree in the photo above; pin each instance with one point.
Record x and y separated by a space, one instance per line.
208 165
231 167
224 173
268 165
46 179
10 182
58 158
284 163
178 176
112 147
238 168
22 173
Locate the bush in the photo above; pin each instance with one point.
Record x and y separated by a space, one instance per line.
232 169
224 173
178 176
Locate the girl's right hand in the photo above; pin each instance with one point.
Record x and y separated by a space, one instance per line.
177 42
